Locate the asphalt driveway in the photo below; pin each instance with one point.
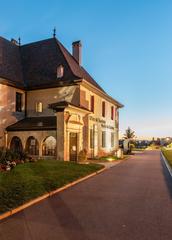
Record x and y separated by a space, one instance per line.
131 201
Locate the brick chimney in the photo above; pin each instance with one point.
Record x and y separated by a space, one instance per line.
76 51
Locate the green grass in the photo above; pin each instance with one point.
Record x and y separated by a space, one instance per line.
168 154
108 158
30 180
138 149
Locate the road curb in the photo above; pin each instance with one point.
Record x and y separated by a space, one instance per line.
167 164
49 194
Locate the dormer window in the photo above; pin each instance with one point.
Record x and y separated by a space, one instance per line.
60 71
39 107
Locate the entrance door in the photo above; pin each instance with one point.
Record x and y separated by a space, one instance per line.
73 147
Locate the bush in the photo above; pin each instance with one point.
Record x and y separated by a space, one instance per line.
132 146
8 156
82 156
169 145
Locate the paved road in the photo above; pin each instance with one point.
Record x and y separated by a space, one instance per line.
131 201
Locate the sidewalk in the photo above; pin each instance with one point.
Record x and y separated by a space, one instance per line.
107 164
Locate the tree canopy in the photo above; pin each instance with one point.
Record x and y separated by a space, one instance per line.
129 133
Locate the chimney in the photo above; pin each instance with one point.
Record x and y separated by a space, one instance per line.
76 51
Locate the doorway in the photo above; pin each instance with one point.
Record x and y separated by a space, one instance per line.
16 145
73 147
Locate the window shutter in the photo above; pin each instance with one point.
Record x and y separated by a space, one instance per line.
112 112
92 104
103 109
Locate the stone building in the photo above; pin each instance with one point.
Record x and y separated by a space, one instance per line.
50 105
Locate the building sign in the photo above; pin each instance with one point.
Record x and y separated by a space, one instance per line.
103 122
107 126
97 120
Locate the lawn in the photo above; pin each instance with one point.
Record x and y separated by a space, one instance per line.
168 154
30 180
108 158
138 149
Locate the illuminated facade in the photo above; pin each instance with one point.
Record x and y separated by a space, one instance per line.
50 106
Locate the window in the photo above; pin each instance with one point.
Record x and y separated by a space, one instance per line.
60 71
39 107
116 113
103 109
112 139
32 146
112 112
91 138
18 102
92 104
49 146
116 118
103 139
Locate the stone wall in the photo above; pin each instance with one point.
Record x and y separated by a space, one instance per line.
8 114
96 121
40 136
48 96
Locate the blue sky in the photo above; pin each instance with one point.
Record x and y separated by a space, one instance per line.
127 48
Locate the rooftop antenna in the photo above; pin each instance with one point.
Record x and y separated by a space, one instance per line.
19 41
54 32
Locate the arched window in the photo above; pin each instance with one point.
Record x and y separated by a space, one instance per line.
60 71
16 144
32 146
49 146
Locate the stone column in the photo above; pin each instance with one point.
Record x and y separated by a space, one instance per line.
61 137
116 139
40 149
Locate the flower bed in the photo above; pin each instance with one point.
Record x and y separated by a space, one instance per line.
9 159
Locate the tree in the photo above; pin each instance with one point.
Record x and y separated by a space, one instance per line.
129 134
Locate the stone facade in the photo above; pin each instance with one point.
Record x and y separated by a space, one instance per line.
61 115
71 120
8 114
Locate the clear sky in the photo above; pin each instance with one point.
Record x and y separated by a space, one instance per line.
127 48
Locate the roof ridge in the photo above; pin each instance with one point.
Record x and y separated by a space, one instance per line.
9 41
32 43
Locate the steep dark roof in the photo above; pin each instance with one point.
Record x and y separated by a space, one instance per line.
34 123
78 70
10 62
35 65
40 61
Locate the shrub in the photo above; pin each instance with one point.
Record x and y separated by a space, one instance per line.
82 156
7 156
169 145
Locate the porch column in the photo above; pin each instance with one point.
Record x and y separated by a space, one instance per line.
61 137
